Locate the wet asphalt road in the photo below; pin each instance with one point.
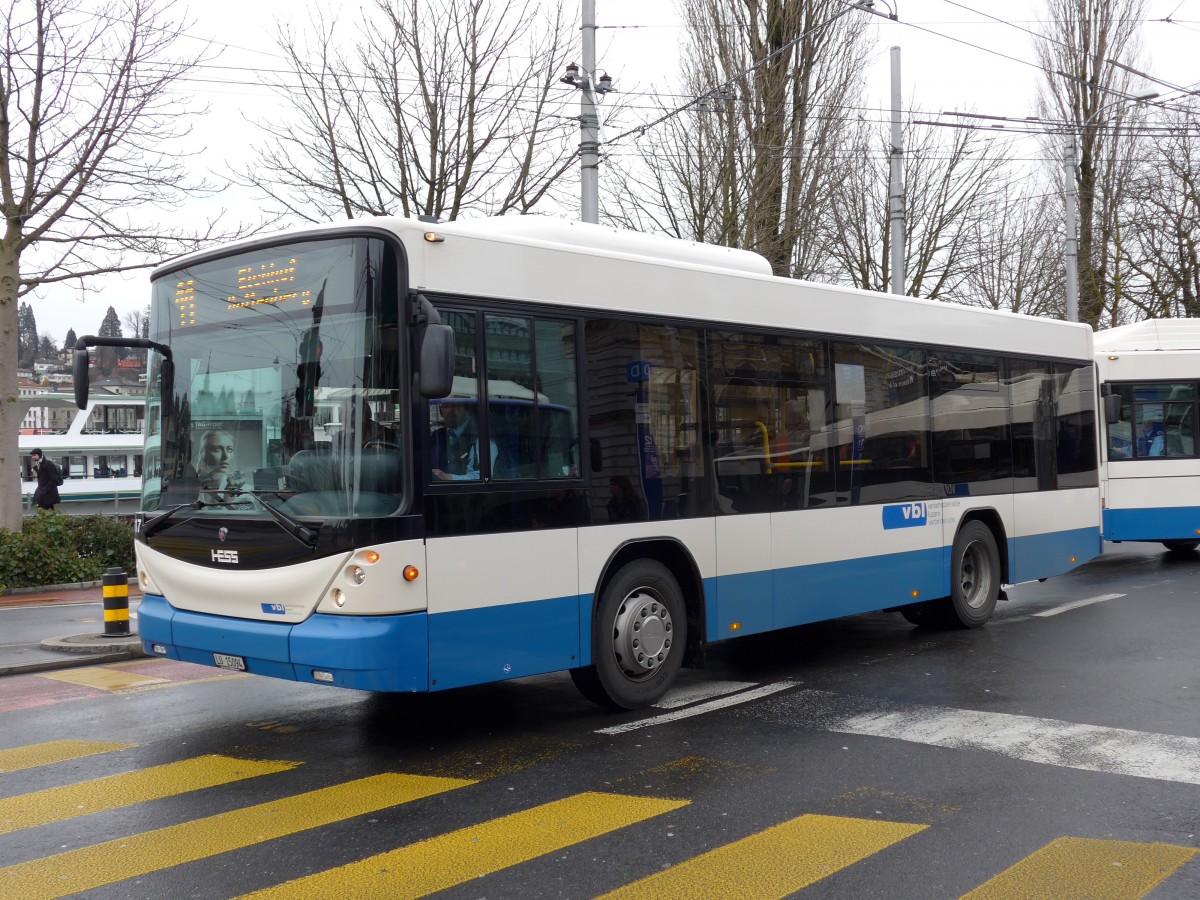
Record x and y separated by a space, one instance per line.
872 760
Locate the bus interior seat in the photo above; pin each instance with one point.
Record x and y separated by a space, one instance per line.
380 472
313 470
267 479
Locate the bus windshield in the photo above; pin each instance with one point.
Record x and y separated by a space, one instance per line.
287 383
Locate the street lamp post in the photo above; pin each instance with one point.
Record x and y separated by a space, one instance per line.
1070 203
589 121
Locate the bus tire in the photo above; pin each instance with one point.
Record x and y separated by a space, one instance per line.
974 576
1181 547
917 613
638 638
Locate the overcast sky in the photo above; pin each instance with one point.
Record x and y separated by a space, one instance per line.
954 56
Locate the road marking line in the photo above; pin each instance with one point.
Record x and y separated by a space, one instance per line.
127 857
705 690
35 755
116 791
469 853
1066 607
773 863
1086 869
711 706
1114 751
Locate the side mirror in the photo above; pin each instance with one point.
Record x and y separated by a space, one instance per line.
80 362
437 362
79 374
1112 407
167 374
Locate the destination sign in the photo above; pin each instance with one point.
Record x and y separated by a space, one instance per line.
285 280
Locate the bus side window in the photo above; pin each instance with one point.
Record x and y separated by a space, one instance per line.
533 411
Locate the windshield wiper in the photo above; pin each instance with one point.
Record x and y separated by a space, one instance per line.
151 526
291 524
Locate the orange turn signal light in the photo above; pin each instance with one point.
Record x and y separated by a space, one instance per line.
411 573
370 557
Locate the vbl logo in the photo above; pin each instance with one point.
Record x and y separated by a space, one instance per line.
905 515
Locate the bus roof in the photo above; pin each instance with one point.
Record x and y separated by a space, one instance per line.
1151 335
544 260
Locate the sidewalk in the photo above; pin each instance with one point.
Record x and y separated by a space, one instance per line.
62 644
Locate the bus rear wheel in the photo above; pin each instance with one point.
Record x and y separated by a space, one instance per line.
638 638
974 576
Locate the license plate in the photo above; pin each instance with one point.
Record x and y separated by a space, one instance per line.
229 662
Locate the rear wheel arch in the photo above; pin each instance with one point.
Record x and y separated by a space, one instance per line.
991 518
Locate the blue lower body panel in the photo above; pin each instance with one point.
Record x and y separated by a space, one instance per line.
371 653
845 588
757 602
494 643
1174 523
1053 553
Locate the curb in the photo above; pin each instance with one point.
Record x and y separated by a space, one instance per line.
68 662
96 643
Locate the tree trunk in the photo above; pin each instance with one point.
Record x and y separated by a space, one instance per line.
10 401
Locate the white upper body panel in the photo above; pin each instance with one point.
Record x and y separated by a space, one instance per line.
544 260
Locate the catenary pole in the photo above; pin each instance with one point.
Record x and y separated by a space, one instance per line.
589 122
1071 251
896 191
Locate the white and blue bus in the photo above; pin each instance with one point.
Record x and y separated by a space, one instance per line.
1151 465
675 448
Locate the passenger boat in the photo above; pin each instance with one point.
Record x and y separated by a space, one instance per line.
98 450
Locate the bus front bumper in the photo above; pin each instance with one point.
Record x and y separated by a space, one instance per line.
370 653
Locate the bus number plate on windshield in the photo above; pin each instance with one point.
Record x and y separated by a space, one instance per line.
229 662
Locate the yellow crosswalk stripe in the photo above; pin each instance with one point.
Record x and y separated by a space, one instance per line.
772 863
458 857
34 755
128 788
127 857
1087 869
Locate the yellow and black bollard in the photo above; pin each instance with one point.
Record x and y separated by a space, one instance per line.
116 603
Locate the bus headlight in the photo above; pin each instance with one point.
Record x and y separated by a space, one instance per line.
357 574
339 597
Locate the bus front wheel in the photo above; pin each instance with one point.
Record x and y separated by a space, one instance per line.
638 638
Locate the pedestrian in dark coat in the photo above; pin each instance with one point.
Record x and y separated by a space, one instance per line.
45 496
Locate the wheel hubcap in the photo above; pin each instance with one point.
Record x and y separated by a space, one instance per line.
975 576
642 633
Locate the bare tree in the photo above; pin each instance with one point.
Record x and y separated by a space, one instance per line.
1087 92
753 160
440 107
1164 218
90 134
137 322
681 177
951 177
1018 252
